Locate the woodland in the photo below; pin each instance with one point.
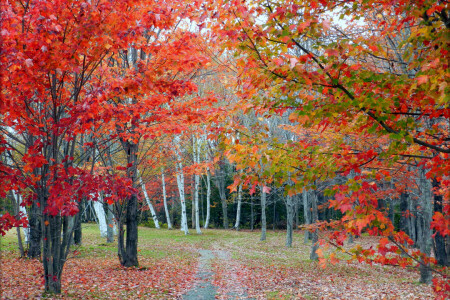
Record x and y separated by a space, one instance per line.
242 149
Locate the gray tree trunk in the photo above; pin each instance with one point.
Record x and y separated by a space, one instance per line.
290 207
110 223
263 214
426 212
220 183
440 250
208 198
307 214
314 219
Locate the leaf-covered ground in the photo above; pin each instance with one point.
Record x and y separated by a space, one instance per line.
242 268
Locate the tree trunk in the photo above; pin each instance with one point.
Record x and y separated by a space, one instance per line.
100 212
425 240
252 213
196 154
166 209
18 200
296 214
238 210
149 203
220 183
180 183
263 214
208 198
197 211
314 219
128 252
34 251
77 234
440 250
307 214
403 209
110 224
289 220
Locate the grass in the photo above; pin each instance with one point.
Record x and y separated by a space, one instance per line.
168 260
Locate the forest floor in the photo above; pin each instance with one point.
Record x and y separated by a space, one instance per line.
221 264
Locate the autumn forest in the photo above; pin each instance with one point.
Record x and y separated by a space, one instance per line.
232 149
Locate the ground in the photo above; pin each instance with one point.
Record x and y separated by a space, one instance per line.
217 264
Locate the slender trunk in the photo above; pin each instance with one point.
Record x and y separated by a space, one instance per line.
274 215
34 251
149 203
238 211
110 221
425 240
296 214
100 212
252 213
77 234
263 214
180 183
128 245
440 250
220 183
412 221
18 199
307 214
208 198
403 208
166 208
290 220
314 219
19 241
197 215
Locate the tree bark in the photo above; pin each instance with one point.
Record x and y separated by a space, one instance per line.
426 211
252 213
77 234
128 251
110 224
220 183
101 217
440 250
289 220
307 214
238 210
34 251
263 214
208 198
149 203
314 219
166 208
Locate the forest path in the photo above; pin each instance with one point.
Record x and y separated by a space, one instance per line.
211 285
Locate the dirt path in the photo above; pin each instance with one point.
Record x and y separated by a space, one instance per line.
207 287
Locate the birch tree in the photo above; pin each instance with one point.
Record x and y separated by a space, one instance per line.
149 203
180 184
166 208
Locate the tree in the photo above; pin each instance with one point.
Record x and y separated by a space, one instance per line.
374 99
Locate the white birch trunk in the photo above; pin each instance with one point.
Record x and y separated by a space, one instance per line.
100 212
238 211
149 203
23 210
180 183
196 153
208 198
166 208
